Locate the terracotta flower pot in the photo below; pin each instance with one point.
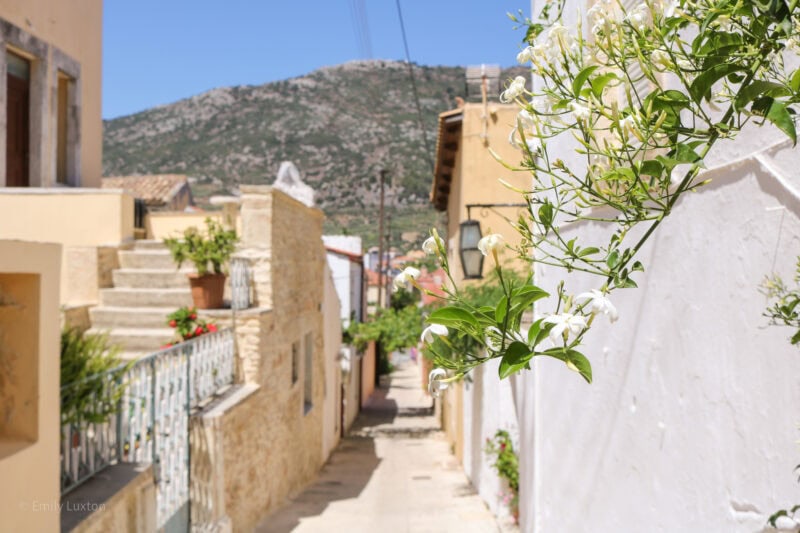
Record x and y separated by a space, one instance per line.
207 290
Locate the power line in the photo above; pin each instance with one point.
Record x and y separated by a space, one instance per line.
414 88
358 14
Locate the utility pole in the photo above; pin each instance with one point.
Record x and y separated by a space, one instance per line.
388 238
380 243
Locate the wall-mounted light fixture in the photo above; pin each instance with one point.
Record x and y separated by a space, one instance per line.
469 235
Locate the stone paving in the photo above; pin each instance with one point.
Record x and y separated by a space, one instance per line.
393 473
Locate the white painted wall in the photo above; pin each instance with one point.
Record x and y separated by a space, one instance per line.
691 423
332 339
488 406
347 275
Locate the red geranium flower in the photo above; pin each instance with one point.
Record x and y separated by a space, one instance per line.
172 323
193 316
212 328
198 331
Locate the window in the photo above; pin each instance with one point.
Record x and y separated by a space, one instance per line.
18 82
308 389
295 361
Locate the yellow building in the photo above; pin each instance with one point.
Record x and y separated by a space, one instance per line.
51 111
29 400
467 186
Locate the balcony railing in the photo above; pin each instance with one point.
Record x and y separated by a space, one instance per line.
139 412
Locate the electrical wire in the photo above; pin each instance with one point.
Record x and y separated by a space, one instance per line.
358 14
413 80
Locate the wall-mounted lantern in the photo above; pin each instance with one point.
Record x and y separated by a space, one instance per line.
471 257
470 234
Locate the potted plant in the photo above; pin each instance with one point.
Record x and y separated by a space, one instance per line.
209 251
187 325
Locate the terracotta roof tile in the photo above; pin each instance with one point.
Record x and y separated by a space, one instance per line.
154 190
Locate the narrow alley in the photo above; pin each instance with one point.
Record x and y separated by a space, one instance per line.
394 472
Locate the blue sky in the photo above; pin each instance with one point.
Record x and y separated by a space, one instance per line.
156 52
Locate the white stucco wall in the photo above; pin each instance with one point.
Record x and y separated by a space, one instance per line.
488 406
691 423
347 274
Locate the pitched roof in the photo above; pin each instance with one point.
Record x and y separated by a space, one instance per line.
154 190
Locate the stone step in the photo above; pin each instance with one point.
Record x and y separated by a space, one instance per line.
142 244
129 317
146 340
126 297
151 259
151 278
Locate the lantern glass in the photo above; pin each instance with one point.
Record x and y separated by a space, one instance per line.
472 262
471 257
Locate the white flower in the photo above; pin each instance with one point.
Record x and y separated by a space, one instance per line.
434 329
490 244
559 36
405 279
435 383
572 324
525 55
602 22
515 89
431 245
664 8
599 303
579 111
661 60
640 17
628 127
532 141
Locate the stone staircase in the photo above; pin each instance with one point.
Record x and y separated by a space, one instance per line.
147 288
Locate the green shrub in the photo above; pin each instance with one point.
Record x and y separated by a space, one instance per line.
90 377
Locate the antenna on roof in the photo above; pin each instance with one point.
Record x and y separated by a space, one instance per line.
477 76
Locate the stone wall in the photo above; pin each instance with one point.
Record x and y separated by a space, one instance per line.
132 508
268 443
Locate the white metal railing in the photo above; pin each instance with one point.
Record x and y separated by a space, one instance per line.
240 283
140 413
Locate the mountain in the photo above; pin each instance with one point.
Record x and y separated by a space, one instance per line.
340 125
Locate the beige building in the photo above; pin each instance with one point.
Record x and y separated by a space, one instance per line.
50 60
467 174
29 399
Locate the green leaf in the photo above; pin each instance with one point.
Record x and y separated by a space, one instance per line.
580 79
588 251
600 82
796 337
500 311
702 84
516 357
546 214
758 88
795 81
573 359
539 331
637 267
777 113
453 317
683 153
613 259
523 297
651 167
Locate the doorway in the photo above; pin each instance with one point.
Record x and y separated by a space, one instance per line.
18 120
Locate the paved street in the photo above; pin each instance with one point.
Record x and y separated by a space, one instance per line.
394 473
